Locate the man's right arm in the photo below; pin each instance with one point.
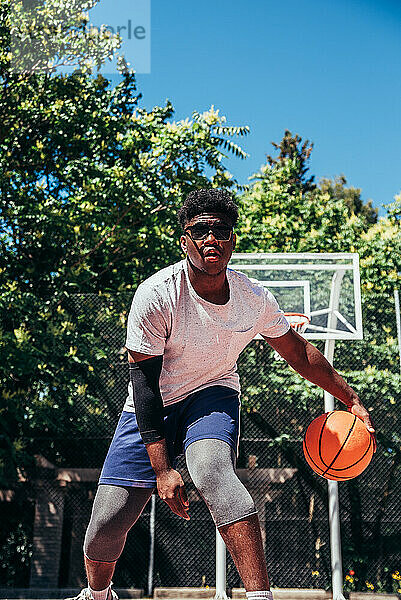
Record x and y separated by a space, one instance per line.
144 374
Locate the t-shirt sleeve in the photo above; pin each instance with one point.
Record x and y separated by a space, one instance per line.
147 324
275 323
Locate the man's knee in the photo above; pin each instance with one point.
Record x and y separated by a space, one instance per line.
115 510
211 466
99 534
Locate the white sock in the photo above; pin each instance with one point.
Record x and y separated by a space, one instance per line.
262 595
99 594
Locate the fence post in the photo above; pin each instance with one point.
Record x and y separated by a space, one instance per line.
398 320
152 526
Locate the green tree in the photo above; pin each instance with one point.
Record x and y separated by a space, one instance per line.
39 36
291 148
88 204
351 196
284 211
90 183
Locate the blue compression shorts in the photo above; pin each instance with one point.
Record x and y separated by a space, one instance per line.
213 412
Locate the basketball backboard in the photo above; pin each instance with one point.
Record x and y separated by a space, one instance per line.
324 286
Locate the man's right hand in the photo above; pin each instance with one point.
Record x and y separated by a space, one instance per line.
170 485
171 489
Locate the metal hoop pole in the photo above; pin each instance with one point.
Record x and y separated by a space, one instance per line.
221 582
332 486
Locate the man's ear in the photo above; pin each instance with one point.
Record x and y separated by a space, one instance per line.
183 243
234 240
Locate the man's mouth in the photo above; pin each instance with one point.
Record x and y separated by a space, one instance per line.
211 252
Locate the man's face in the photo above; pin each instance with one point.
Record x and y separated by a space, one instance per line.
208 254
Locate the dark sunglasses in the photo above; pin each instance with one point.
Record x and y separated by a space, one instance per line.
200 231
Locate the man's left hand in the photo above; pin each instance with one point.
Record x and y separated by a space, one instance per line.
360 411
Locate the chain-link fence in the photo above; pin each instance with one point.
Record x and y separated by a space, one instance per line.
44 517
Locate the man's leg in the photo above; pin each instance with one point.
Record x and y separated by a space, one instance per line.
115 511
99 574
211 465
244 541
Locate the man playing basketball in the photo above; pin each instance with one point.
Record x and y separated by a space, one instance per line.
187 326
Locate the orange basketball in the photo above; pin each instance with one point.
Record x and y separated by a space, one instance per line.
337 445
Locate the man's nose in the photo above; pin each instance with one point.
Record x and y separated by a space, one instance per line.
210 236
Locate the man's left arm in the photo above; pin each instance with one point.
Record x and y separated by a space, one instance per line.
309 362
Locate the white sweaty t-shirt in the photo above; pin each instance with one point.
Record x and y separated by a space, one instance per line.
200 341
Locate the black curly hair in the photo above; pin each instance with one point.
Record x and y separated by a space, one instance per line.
208 201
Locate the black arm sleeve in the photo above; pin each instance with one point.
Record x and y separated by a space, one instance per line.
144 376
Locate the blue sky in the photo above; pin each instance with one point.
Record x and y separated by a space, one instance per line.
329 71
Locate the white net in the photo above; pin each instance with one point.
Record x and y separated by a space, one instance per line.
298 321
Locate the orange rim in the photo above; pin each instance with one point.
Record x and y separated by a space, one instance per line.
303 321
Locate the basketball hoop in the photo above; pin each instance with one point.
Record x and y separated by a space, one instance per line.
299 322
